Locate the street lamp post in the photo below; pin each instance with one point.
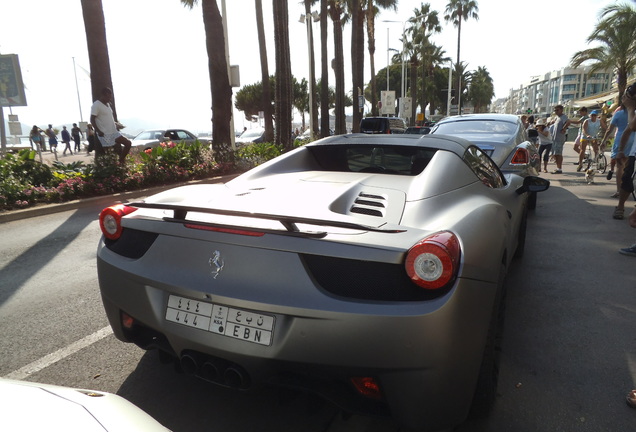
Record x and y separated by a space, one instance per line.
307 18
403 83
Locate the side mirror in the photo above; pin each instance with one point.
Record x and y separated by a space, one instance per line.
533 184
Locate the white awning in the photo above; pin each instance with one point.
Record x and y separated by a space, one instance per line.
597 99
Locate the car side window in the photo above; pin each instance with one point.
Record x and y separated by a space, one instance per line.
484 167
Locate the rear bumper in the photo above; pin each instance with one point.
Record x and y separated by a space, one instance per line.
425 355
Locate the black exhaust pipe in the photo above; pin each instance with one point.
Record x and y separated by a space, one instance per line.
212 370
235 377
189 363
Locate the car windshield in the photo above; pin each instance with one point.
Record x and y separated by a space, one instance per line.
471 127
251 133
389 159
150 135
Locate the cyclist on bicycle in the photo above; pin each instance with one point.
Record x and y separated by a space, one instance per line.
591 128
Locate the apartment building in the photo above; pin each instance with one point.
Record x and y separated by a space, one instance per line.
566 87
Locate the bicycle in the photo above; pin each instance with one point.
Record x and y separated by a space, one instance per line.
598 162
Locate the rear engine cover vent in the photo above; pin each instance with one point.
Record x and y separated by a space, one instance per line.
369 204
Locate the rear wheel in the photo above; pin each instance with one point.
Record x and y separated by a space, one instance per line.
602 163
486 389
521 242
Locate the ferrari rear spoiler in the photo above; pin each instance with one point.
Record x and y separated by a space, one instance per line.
288 222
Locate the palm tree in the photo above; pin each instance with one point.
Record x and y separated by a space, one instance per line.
456 12
337 13
284 93
357 58
423 24
371 12
221 90
324 80
616 35
313 121
267 97
481 90
98 56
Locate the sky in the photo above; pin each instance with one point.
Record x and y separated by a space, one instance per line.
159 61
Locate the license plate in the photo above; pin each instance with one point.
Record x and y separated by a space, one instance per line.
235 323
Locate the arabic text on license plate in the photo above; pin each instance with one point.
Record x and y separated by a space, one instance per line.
231 322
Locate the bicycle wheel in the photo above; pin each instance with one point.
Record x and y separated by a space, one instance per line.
601 164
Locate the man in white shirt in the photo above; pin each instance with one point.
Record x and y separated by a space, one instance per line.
106 128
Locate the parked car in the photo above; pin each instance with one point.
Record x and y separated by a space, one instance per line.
29 406
250 136
366 268
501 136
382 125
152 138
418 130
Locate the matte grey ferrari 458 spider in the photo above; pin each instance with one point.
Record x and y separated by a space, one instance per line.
366 268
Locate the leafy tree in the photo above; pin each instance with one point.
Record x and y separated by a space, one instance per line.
251 99
481 90
615 35
424 24
456 12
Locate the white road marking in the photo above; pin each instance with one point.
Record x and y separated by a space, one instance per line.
58 355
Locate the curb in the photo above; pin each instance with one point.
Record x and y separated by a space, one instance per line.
45 209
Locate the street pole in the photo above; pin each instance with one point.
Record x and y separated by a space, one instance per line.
310 85
79 101
450 83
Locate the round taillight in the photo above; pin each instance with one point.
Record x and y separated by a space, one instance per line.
433 262
110 220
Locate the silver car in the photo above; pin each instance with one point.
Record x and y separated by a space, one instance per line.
366 268
501 136
153 138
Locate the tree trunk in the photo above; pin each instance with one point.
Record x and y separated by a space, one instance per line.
459 76
267 97
284 93
95 28
371 45
324 80
313 109
335 12
357 60
413 90
219 82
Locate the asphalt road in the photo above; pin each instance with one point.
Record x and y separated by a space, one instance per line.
568 357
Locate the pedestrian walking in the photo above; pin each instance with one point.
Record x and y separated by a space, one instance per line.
50 133
545 142
618 123
627 186
66 139
91 138
77 135
36 139
561 125
106 128
577 142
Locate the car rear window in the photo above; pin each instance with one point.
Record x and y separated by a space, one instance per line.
476 127
402 160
